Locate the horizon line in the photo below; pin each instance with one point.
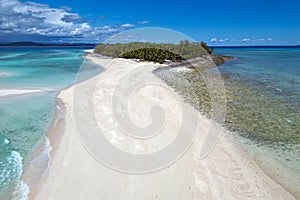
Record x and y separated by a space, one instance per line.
33 44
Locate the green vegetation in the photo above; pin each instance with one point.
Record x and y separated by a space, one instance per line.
152 54
209 50
184 49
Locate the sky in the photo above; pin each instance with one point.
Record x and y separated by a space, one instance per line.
218 22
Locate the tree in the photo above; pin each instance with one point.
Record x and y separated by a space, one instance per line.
184 42
152 54
209 50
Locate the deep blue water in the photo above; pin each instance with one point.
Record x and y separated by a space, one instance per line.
24 119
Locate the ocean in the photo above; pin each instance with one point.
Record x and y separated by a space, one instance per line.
25 119
263 110
263 105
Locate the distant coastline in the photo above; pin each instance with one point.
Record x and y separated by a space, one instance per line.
259 46
39 44
36 44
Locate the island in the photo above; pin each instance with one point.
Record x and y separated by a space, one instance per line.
160 53
124 97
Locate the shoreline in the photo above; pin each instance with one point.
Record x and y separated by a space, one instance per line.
55 128
53 135
60 146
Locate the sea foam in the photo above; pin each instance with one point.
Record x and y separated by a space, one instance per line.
6 141
12 168
22 193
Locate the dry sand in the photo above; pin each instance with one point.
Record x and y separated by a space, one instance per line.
226 173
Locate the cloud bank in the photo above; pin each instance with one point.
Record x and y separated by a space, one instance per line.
240 41
37 22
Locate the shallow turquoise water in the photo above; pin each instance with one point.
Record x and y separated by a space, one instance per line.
267 112
266 85
266 109
25 119
263 105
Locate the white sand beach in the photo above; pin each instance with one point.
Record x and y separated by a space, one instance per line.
74 173
89 50
15 92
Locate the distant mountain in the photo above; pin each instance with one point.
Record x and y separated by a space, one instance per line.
35 44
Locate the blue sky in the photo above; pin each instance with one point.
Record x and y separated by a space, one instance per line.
218 22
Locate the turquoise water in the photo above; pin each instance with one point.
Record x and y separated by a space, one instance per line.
264 108
25 119
266 85
263 105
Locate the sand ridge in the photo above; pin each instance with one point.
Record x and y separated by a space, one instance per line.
226 173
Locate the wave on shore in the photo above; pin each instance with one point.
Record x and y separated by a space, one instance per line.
13 169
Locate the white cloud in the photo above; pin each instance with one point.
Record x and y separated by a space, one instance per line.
269 39
223 40
40 20
66 8
213 39
127 25
144 22
245 40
